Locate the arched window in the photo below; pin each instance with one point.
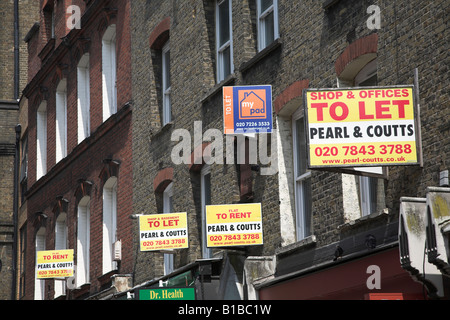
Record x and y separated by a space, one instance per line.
160 46
167 110
109 223
41 140
302 179
60 244
357 66
83 101
83 241
205 187
61 120
168 208
109 69
39 285
368 186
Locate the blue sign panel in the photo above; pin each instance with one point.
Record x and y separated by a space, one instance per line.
247 109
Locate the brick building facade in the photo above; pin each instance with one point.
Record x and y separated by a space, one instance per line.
307 215
17 18
321 229
79 146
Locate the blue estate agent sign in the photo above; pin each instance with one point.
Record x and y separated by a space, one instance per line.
247 109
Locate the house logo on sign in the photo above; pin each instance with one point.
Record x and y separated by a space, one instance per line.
252 104
247 109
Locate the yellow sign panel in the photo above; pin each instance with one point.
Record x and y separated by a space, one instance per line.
163 231
54 264
234 225
373 126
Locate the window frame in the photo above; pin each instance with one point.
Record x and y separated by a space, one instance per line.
41 140
368 194
61 120
22 259
109 72
300 178
23 168
61 243
83 97
40 245
109 224
226 45
167 108
205 171
83 243
261 23
168 208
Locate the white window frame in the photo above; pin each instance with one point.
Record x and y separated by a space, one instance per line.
84 99
262 21
367 185
39 284
83 241
61 238
24 159
109 224
206 170
61 120
226 45
109 72
300 179
41 140
166 86
168 208
53 24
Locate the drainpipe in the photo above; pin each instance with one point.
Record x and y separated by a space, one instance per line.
15 211
16 49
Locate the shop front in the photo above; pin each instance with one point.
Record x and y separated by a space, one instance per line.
372 276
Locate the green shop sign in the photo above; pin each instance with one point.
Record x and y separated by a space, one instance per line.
167 294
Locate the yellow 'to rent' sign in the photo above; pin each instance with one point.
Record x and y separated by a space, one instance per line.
54 264
234 225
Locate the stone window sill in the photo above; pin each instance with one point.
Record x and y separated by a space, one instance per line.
260 55
299 245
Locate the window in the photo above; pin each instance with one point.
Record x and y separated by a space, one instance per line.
83 101
83 241
39 285
53 24
61 120
41 141
24 168
109 72
168 208
23 252
167 112
49 20
224 39
302 179
368 186
109 223
267 22
60 244
205 186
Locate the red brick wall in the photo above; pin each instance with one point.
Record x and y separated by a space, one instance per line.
108 140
